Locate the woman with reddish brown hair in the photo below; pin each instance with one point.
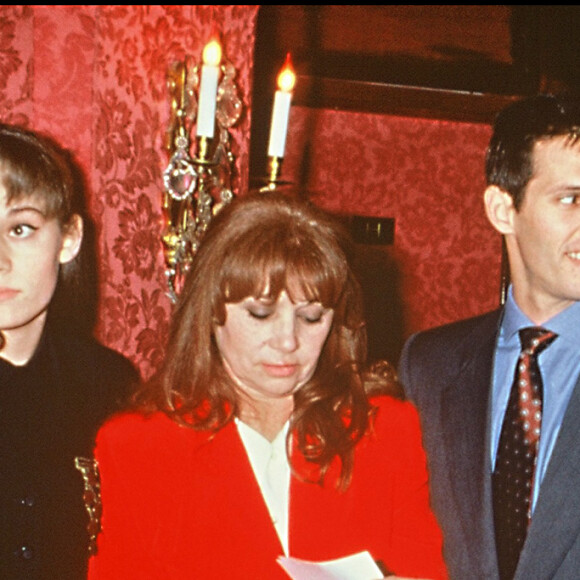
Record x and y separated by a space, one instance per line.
265 433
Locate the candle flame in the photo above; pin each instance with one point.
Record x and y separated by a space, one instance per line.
287 77
212 53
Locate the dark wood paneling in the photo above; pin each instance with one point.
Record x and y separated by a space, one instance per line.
383 98
451 62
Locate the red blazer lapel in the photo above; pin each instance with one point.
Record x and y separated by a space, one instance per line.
236 513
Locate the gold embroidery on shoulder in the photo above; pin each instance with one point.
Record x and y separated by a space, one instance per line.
89 469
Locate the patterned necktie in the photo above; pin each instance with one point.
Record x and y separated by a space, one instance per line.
513 477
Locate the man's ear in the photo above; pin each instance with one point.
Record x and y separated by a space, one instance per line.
72 238
499 207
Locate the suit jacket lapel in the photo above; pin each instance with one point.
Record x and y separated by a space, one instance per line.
556 525
467 442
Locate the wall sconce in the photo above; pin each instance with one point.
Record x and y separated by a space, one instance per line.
204 95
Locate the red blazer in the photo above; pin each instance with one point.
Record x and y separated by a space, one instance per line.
179 504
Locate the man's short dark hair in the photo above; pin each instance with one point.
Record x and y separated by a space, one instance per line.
509 159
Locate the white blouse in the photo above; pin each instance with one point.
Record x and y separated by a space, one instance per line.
272 470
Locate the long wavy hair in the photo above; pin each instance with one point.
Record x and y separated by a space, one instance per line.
275 241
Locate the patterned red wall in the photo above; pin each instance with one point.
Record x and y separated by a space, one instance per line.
93 77
429 176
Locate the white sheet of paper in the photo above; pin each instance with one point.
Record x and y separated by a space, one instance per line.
359 566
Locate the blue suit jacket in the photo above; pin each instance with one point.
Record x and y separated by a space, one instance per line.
447 373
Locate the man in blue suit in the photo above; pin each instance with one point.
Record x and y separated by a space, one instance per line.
460 375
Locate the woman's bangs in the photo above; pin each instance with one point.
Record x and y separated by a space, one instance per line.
300 271
240 282
47 200
310 282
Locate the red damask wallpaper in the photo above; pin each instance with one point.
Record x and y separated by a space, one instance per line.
429 176
93 77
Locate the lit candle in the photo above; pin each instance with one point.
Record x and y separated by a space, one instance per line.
212 55
281 110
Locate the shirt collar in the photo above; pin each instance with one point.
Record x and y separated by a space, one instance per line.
565 324
259 447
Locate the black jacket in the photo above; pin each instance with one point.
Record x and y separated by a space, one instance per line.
50 411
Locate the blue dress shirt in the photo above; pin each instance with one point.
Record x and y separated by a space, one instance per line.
560 368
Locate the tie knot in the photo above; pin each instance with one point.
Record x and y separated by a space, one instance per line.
535 339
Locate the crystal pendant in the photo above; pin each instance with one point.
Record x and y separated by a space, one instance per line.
180 177
229 104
